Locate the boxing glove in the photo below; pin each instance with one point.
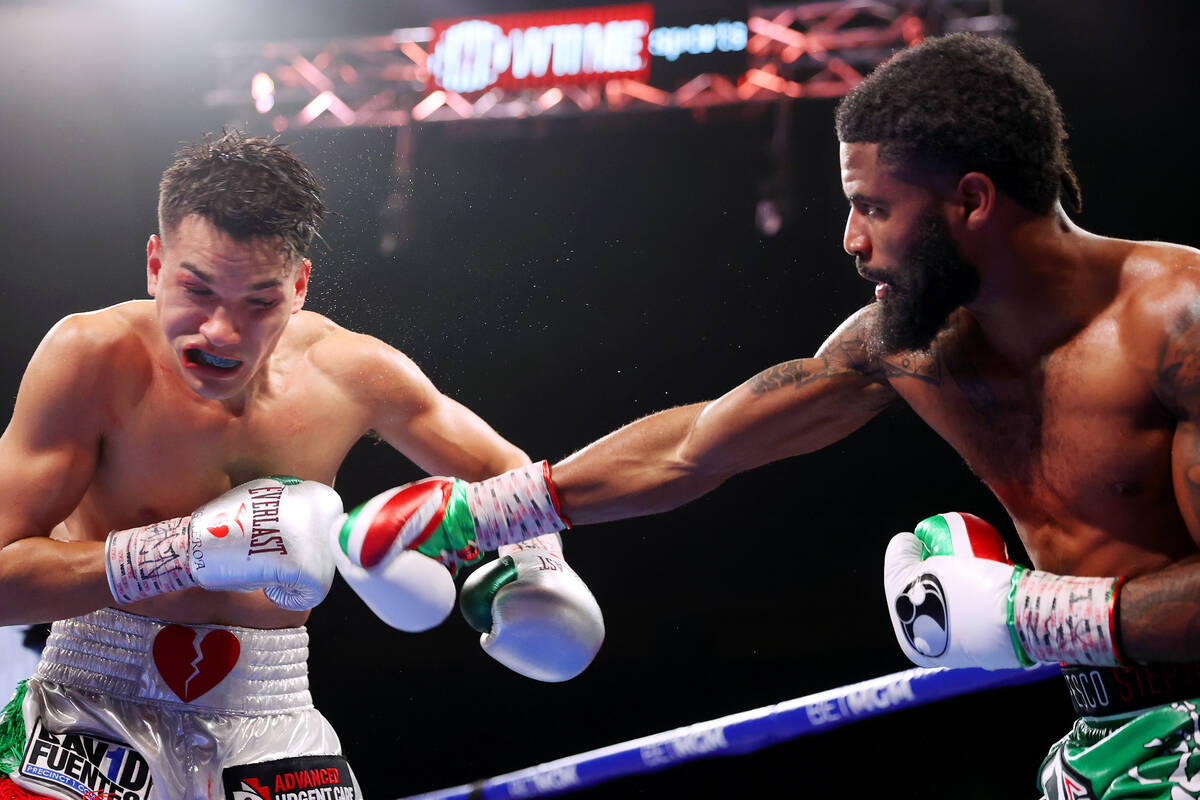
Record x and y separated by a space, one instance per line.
269 534
409 591
536 615
450 520
956 600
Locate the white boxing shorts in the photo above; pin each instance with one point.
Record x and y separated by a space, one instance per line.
123 707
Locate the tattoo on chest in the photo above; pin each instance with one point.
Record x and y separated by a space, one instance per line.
978 392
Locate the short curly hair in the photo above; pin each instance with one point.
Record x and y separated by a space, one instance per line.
246 186
964 103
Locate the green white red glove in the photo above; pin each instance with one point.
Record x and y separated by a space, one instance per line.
956 600
379 546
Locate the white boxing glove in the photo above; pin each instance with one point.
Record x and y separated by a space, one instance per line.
957 601
268 533
409 591
537 616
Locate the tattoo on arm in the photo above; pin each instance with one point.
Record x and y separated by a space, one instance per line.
1159 616
907 365
1178 369
848 352
790 372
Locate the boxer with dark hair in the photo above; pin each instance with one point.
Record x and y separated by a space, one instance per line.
1062 365
182 453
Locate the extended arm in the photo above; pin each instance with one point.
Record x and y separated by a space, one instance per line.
657 463
667 459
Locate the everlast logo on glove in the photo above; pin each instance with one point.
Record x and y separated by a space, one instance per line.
85 766
265 512
304 778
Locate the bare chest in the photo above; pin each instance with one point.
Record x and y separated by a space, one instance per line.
172 451
1077 448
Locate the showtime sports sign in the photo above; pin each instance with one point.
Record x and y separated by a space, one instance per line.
553 48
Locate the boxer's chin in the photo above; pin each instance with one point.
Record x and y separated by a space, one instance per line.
936 281
907 322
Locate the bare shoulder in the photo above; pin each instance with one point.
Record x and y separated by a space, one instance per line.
1159 293
1159 314
87 365
850 348
113 338
361 364
843 360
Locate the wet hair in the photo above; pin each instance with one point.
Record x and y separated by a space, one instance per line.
246 186
964 103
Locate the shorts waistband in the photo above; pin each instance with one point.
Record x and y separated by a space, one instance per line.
1106 691
212 668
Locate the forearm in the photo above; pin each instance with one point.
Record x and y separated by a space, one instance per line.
43 580
500 457
642 468
1158 616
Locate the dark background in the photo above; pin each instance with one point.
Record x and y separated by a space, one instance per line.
564 277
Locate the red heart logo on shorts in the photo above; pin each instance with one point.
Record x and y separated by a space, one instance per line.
189 667
219 531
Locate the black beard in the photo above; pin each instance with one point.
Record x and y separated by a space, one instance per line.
933 281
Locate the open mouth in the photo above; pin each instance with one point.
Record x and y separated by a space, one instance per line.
197 357
883 286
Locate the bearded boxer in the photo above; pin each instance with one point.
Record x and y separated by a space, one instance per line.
184 449
1060 364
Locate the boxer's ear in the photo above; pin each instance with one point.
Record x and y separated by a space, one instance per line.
154 256
976 197
301 284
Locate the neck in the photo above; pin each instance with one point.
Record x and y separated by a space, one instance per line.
1042 278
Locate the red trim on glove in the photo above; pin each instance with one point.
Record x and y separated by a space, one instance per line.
1112 623
385 526
986 541
553 490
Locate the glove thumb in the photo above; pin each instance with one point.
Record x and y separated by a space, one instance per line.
905 593
904 552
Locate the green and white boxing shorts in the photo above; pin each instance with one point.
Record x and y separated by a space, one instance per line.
1123 745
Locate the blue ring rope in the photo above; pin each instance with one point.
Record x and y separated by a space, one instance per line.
744 732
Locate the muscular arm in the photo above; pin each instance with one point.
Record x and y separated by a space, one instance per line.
670 458
48 454
1159 613
437 433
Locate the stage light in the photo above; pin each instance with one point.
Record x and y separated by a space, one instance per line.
262 89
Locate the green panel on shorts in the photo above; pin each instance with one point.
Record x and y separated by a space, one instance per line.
12 732
1154 755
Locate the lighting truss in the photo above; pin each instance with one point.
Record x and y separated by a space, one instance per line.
800 50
